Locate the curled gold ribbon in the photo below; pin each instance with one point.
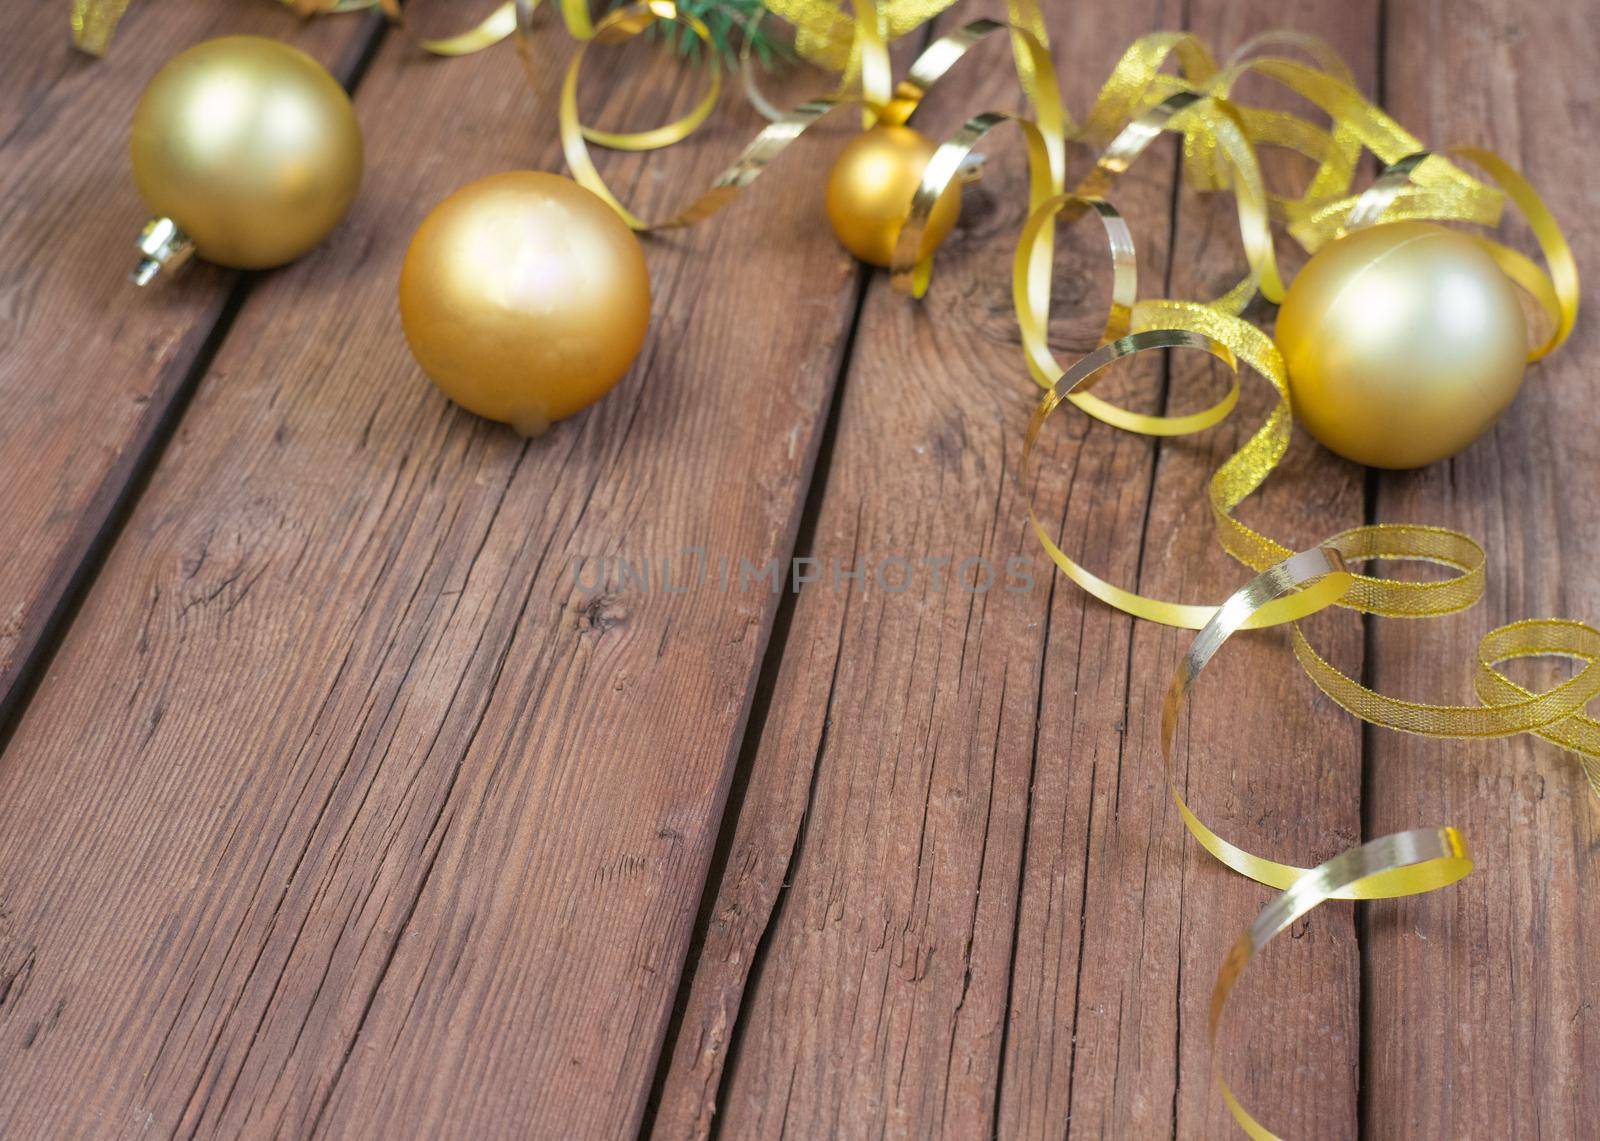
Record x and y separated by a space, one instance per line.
1407 863
1305 582
94 22
1423 859
1133 326
1544 637
1047 147
1205 117
1044 135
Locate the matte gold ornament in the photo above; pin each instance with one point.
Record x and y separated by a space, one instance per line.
525 298
870 191
249 152
1404 343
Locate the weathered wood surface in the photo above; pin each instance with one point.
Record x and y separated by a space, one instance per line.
345 809
90 369
1259 758
1483 1018
342 808
872 879
958 905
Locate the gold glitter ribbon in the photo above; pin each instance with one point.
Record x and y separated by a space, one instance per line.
1415 184
94 22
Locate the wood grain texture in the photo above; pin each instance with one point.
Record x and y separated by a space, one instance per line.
360 801
90 367
846 1023
872 881
345 809
1482 1018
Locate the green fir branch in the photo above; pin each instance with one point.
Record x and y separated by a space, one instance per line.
730 22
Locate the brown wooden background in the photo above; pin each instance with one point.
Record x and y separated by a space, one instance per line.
331 805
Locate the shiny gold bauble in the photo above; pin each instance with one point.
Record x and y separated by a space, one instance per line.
1404 343
525 298
870 191
250 146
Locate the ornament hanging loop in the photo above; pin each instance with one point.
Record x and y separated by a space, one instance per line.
163 246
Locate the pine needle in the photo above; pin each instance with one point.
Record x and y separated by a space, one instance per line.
729 22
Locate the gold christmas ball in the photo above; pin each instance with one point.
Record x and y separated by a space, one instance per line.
1404 343
870 191
525 298
250 146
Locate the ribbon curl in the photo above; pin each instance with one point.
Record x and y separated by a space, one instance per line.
1424 859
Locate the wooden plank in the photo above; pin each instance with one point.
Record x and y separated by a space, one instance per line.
1482 1018
89 367
344 808
1124 921
857 960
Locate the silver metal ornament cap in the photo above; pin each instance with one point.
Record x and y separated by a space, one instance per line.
164 247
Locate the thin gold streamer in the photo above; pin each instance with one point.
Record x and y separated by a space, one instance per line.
94 22
1427 858
1046 144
